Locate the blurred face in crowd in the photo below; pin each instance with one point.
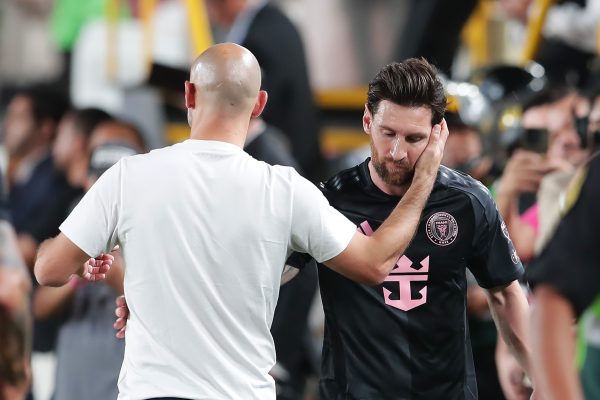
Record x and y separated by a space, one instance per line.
399 134
464 152
557 118
224 12
69 143
19 127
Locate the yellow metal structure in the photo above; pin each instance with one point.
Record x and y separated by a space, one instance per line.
534 28
199 25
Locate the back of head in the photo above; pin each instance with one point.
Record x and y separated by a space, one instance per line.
412 83
227 79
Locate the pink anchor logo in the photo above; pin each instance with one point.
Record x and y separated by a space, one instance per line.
404 274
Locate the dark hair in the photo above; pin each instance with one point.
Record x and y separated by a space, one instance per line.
47 103
548 95
413 83
85 120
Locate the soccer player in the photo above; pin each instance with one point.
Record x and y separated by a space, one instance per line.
408 338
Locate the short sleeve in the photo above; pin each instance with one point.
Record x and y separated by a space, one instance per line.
92 225
569 262
317 228
494 261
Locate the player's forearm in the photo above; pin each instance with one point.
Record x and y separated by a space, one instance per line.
395 234
48 271
553 350
511 313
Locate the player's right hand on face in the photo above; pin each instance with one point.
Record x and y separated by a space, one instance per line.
429 162
95 269
122 313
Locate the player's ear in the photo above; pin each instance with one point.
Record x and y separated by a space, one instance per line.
366 120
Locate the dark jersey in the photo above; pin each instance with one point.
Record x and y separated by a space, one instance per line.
408 338
569 261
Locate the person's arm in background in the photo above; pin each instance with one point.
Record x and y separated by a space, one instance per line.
369 259
523 174
554 353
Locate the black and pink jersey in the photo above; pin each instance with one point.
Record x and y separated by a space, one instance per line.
408 338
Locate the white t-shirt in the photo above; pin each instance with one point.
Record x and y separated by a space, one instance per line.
205 230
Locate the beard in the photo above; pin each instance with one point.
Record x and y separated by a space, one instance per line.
394 173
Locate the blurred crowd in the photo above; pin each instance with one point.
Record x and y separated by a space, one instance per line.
522 131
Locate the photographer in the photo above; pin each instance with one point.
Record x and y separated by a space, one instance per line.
549 143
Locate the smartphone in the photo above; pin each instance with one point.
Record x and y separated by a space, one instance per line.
535 140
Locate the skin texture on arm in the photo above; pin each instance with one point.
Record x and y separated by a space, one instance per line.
370 259
553 353
510 311
59 258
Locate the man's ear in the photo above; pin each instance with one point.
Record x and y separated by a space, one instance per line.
190 95
366 120
261 102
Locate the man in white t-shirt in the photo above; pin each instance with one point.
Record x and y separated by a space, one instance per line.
205 230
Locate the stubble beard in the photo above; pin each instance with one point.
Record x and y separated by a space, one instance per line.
400 176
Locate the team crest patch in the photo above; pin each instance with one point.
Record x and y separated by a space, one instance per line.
442 229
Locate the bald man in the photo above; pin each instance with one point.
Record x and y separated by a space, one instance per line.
205 230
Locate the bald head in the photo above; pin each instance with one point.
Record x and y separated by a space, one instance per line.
227 76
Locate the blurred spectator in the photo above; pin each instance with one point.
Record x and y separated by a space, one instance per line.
569 37
15 318
70 157
433 31
464 149
29 128
117 131
551 112
89 356
567 286
264 30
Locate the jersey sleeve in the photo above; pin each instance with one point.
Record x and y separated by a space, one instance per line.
569 262
317 228
494 261
92 225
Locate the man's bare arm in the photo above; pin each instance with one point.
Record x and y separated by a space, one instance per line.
510 310
554 347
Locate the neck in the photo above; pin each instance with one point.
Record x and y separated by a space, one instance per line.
220 128
392 190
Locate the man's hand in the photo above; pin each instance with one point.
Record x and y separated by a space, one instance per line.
511 375
524 172
122 313
429 162
95 269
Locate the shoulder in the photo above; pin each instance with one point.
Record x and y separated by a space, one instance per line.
347 181
454 181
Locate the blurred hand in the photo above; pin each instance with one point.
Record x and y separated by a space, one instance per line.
95 269
122 313
524 172
429 162
512 377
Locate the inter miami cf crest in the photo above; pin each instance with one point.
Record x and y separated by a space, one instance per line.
442 229
403 274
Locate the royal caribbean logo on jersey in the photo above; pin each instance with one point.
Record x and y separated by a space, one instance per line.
442 229
404 274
